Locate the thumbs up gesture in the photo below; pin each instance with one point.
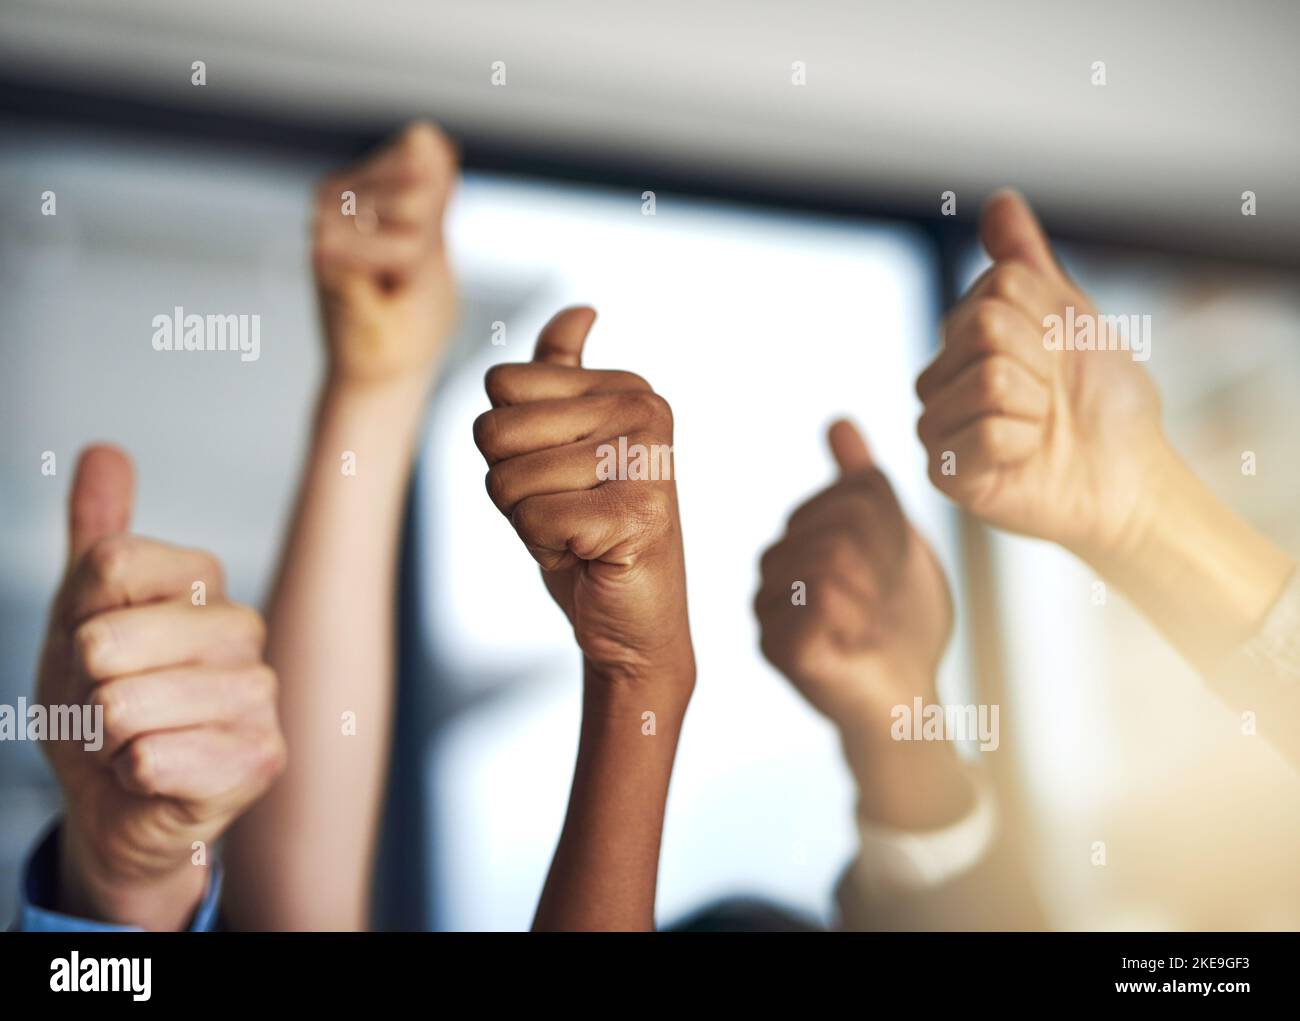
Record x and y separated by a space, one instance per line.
144 633
853 606
580 461
386 290
1025 428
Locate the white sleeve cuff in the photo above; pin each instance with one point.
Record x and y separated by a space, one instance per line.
893 861
1263 675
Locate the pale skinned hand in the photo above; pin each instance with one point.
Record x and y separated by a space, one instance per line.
190 737
610 551
878 614
1061 445
386 289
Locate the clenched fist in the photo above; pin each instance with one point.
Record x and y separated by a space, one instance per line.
868 625
386 289
1035 437
602 525
190 730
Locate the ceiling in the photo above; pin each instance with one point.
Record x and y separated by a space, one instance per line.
902 101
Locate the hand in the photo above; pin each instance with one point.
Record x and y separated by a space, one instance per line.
385 284
870 636
190 736
610 549
878 614
1059 444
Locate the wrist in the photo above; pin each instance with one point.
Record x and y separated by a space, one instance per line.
904 784
1203 574
864 713
395 392
372 416
664 689
908 785
90 888
1162 483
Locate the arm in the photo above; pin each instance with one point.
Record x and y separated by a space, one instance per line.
1066 444
178 730
1201 574
610 549
301 859
867 637
606 865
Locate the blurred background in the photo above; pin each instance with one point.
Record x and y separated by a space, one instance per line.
796 268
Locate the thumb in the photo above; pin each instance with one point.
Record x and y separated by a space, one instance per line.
849 447
100 504
1010 231
561 340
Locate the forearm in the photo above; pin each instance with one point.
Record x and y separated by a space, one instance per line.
604 872
909 785
1199 572
302 857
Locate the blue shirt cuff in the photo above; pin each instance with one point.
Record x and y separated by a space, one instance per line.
38 887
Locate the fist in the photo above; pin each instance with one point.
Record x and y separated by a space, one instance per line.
386 290
580 461
1033 436
852 606
189 730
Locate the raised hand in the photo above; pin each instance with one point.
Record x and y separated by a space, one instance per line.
610 548
386 289
581 463
1061 444
854 610
853 606
190 736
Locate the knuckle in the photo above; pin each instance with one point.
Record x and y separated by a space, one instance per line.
262 684
211 568
117 702
995 380
924 425
939 478
1007 281
839 548
143 765
487 431
651 508
654 409
91 641
497 381
271 757
633 381
863 501
987 320
524 519
990 434
256 627
249 626
108 559
947 326
495 483
767 562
